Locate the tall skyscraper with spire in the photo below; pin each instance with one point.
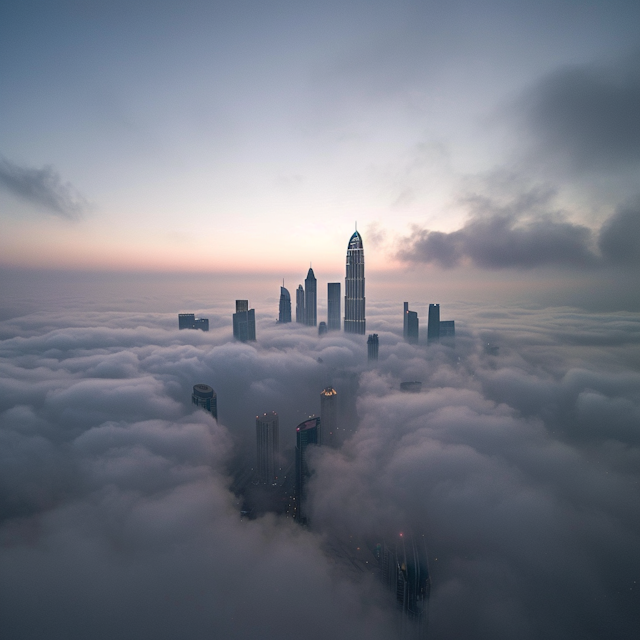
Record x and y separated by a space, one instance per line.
284 314
311 299
354 319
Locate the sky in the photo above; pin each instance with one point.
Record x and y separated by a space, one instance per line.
164 157
251 137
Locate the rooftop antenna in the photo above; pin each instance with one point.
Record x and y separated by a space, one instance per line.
356 225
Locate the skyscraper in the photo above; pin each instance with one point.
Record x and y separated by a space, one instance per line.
244 322
410 325
206 398
354 301
307 433
300 305
268 447
310 299
372 347
189 321
284 314
322 328
333 306
433 327
405 572
329 416
447 328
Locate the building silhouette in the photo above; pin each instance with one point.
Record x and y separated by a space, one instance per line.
268 447
322 328
206 398
300 305
372 347
433 326
405 572
189 321
333 306
244 322
307 433
329 416
410 325
284 310
354 300
447 329
310 299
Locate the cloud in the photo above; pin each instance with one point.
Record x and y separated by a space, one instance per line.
619 239
519 465
44 188
584 117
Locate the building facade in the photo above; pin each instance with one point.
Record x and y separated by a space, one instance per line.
307 433
268 447
433 326
206 398
447 329
333 306
311 299
329 416
411 325
244 322
284 309
354 299
300 305
189 321
372 347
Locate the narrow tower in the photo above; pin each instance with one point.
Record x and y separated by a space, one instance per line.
284 314
300 304
268 447
311 299
354 319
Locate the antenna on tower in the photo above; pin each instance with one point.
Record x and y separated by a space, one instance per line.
356 225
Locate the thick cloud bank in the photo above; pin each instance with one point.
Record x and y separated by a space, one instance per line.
519 460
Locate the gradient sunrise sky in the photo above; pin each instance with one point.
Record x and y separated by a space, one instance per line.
245 135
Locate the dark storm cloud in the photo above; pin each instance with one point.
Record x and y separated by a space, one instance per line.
44 188
585 116
519 465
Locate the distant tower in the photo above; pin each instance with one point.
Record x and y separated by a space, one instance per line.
310 299
410 325
333 306
433 327
354 319
322 328
189 321
300 304
206 398
268 444
447 328
284 314
329 416
244 322
372 347
307 433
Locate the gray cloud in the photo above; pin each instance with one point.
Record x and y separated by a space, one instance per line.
619 239
520 466
44 188
585 116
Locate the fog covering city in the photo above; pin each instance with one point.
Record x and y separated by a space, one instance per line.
519 461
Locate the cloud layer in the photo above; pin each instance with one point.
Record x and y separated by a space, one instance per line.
519 462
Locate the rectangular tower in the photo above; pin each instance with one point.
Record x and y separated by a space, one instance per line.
411 325
333 306
268 447
433 326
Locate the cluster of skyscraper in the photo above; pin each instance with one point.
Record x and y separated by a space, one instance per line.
189 321
354 301
436 328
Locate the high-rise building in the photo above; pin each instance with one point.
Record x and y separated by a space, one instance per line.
433 327
329 416
189 321
310 299
268 447
447 329
333 306
405 572
322 328
284 311
354 300
307 433
372 347
244 322
410 325
206 398
300 305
